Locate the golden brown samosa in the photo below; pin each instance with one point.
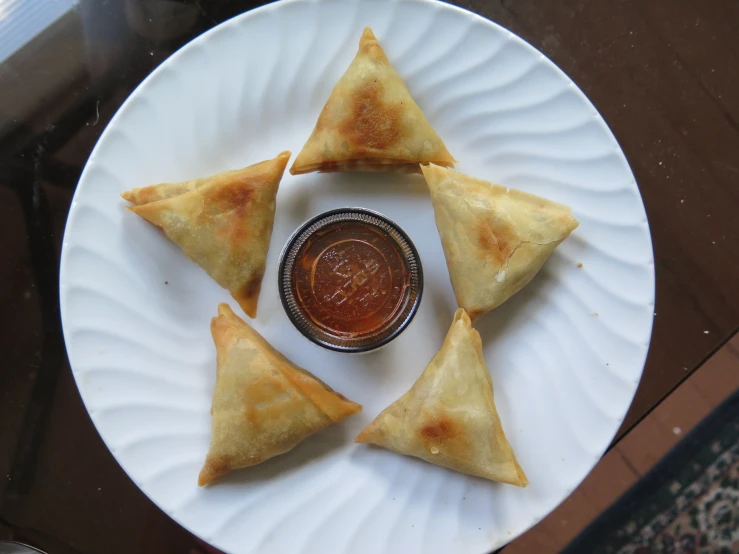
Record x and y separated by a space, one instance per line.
263 404
370 122
448 417
495 239
223 223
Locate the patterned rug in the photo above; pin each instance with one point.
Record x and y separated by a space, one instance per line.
687 504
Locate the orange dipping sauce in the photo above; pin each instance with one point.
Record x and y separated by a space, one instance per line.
350 278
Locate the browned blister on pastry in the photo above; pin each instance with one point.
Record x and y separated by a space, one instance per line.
495 239
263 404
223 223
371 123
448 417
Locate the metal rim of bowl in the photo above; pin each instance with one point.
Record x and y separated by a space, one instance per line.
283 280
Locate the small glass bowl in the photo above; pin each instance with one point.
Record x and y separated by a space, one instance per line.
297 309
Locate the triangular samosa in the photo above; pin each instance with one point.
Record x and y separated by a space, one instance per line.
263 404
223 223
495 239
370 122
448 417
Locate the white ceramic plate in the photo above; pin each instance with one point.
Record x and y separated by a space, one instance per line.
566 353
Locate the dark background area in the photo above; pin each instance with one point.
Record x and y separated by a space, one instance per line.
664 74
